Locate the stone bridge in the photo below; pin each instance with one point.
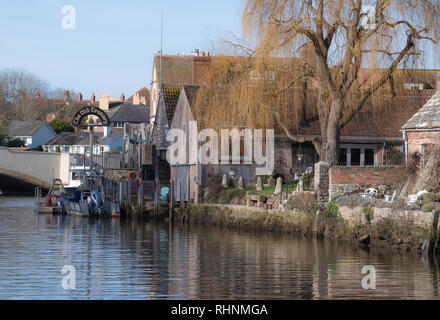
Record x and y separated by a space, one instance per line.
34 168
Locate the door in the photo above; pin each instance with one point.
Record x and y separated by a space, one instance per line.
182 183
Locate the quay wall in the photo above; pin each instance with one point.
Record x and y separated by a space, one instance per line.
396 229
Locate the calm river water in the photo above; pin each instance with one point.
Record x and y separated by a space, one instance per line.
138 260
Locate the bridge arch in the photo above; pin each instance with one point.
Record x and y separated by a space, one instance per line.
37 168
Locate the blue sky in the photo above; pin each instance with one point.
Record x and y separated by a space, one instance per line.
112 48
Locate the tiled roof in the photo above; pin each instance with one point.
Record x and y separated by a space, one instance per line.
190 93
382 116
171 96
24 128
83 139
74 139
428 117
112 137
128 112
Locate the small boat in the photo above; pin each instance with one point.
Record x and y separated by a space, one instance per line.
93 203
80 201
50 203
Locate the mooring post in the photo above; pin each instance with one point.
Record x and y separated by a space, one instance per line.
182 201
121 195
139 198
171 198
433 234
129 195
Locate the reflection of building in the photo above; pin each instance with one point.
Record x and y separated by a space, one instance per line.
33 133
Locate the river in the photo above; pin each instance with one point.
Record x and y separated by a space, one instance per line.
116 259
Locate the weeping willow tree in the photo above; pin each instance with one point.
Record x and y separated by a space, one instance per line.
326 58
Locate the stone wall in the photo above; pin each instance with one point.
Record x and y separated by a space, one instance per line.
322 171
118 174
354 216
350 180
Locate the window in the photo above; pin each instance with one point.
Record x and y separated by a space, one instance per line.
369 157
118 125
343 157
355 157
66 149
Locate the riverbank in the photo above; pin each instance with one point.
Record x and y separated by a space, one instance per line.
384 228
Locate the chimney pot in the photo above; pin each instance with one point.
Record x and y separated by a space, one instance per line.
122 97
79 96
93 98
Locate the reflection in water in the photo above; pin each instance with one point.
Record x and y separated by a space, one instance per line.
139 260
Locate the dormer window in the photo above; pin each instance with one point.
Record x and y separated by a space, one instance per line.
414 86
262 76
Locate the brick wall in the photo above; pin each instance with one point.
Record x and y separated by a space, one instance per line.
148 151
358 179
417 139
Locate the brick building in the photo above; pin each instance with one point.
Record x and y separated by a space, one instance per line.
177 70
423 128
365 142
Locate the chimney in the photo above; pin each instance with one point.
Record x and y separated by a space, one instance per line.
93 98
136 99
196 52
122 97
79 97
67 95
308 54
143 101
104 102
107 131
437 81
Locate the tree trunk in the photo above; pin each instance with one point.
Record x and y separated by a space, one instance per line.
331 136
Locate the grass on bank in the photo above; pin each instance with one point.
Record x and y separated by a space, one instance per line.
232 195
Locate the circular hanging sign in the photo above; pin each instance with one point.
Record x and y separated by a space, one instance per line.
91 111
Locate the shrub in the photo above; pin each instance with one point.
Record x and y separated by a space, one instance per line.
6 141
15 143
314 207
431 197
61 125
368 214
332 210
337 197
430 176
308 176
394 158
302 201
